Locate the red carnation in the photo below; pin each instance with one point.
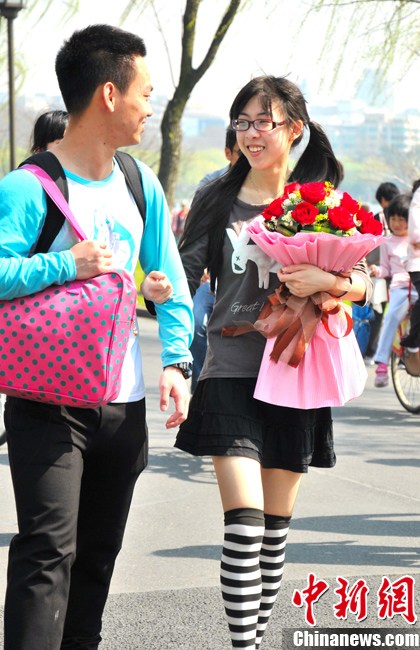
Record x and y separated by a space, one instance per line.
368 223
348 203
305 213
313 192
289 189
341 218
275 209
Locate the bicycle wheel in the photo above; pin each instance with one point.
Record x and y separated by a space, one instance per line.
407 387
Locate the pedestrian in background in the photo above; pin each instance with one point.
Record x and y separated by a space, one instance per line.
48 131
74 469
411 342
203 302
393 256
232 153
384 195
178 219
259 451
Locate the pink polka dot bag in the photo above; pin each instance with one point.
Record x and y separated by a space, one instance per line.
66 344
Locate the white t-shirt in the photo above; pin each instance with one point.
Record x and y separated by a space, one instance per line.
107 213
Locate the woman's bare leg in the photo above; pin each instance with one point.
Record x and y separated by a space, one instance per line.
280 489
239 482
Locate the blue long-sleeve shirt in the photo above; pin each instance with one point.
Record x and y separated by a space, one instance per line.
22 214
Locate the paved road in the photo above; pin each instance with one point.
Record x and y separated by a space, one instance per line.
358 520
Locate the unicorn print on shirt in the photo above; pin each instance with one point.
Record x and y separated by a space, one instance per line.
244 250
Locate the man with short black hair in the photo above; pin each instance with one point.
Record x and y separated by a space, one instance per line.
74 469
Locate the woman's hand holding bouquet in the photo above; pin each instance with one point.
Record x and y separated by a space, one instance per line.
312 358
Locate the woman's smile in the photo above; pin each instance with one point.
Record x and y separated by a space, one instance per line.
255 149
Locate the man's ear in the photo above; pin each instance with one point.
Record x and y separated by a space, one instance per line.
109 96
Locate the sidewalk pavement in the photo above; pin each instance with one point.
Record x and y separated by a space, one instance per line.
360 520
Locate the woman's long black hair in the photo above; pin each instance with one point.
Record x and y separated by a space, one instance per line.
211 206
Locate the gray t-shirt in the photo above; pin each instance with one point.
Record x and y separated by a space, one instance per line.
247 277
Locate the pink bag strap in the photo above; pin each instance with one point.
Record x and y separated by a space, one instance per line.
52 190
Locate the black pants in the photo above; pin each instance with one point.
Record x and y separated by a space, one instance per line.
74 472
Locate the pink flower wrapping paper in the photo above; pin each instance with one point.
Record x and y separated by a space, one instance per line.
329 252
331 371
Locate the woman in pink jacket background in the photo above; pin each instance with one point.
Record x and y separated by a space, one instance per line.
393 257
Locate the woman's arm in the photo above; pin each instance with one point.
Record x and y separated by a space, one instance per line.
158 252
195 261
303 280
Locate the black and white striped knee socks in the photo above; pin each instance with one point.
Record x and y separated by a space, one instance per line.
240 574
271 565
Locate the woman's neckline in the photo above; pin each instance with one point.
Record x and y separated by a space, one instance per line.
251 205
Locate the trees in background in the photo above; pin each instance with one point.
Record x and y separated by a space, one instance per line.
37 9
374 33
354 30
382 29
189 76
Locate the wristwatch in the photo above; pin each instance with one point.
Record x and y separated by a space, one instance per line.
184 366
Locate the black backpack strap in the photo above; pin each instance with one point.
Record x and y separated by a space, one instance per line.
133 179
54 219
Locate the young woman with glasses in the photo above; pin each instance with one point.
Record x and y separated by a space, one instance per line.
259 451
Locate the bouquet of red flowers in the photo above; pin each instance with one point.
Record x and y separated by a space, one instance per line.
312 358
318 207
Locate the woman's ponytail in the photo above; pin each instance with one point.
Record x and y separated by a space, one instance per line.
317 162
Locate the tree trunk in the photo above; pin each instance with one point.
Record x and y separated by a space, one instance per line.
171 151
170 154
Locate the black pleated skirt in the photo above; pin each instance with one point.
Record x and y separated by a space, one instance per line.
225 420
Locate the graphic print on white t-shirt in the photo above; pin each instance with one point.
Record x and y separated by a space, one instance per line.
114 234
244 250
107 213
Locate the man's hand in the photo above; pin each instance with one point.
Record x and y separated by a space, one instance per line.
91 258
156 287
172 384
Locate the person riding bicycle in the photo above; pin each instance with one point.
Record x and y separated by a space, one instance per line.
411 342
393 253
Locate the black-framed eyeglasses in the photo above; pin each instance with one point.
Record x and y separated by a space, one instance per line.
259 125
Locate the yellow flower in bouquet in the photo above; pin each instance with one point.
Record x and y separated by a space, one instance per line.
318 207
